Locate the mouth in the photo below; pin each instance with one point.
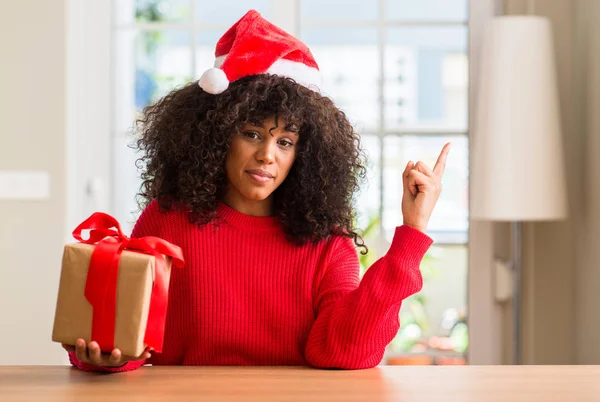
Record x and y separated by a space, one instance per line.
260 176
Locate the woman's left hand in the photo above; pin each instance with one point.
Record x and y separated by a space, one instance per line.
422 188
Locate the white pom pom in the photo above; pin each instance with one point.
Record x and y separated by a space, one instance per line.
214 81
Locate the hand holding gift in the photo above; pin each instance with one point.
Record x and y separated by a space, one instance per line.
91 354
113 293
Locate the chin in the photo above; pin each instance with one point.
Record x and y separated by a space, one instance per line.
258 196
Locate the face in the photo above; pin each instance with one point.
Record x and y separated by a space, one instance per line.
259 159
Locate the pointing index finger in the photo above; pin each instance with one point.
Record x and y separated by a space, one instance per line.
440 164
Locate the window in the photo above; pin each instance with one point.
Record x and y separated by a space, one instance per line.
398 68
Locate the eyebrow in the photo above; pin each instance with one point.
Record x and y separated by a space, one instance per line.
286 128
295 132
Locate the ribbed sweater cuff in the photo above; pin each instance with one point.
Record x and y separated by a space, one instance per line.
398 275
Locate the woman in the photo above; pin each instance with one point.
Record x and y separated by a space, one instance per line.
253 175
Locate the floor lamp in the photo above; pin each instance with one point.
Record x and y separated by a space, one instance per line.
517 172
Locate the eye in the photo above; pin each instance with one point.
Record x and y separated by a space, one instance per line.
286 143
251 134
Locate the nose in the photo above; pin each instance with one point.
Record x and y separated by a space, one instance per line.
265 154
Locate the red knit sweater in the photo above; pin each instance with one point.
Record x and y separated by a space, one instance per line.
247 296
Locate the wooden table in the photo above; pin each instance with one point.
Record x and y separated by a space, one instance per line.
385 383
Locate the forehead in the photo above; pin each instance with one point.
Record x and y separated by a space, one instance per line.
269 122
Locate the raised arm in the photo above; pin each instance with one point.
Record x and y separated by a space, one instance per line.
355 322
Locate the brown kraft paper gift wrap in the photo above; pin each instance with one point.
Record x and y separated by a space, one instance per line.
113 289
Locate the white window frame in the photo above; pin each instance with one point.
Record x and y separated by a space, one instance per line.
382 24
484 313
88 110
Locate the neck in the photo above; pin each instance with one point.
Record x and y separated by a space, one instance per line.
250 207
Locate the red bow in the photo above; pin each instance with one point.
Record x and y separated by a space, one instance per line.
101 283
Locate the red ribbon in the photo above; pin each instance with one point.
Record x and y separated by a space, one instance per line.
101 283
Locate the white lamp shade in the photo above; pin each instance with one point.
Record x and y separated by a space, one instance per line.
518 168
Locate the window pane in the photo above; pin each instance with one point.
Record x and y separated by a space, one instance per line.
148 65
163 61
338 10
427 10
348 61
367 203
126 181
227 12
433 322
426 78
205 51
170 11
449 221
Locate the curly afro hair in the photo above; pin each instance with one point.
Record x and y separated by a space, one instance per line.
184 139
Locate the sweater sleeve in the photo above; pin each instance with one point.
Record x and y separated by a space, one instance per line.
355 322
146 225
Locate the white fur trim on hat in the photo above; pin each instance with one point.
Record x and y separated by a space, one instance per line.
301 73
219 61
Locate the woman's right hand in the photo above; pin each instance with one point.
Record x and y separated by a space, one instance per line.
91 354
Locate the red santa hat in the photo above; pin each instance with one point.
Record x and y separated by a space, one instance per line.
255 46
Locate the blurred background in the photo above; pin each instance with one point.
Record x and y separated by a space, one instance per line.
77 73
400 75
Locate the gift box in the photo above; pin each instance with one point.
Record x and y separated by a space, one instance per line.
114 289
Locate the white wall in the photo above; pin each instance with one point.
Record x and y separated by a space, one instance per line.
55 74
32 137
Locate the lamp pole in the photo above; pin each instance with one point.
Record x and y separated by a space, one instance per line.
516 228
